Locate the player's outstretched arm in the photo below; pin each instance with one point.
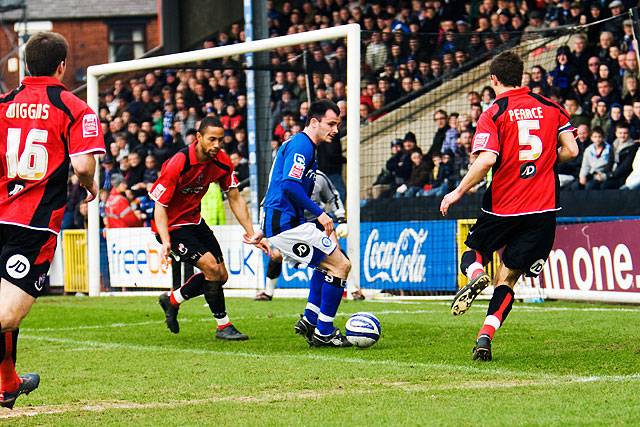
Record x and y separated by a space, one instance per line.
84 166
568 149
476 173
241 212
162 225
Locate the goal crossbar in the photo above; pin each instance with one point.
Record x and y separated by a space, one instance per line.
352 34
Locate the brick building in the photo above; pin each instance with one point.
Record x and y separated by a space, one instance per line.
98 31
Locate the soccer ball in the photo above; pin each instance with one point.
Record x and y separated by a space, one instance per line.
363 330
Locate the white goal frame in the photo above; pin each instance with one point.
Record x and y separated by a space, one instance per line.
352 34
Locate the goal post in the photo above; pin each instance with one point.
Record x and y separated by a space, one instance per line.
352 34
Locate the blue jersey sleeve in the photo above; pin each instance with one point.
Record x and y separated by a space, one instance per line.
297 158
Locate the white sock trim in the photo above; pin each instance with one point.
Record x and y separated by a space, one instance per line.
313 307
270 286
223 321
324 318
492 320
473 268
177 295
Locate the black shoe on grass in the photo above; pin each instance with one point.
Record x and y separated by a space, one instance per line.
304 328
482 350
336 339
170 312
230 333
29 383
465 296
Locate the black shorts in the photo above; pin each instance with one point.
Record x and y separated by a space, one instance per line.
527 239
190 242
25 257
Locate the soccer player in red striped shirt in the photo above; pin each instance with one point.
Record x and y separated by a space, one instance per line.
183 182
43 129
521 138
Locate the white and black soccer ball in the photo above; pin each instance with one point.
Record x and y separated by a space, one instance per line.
363 330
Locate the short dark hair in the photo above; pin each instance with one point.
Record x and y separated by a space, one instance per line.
597 129
508 68
318 109
209 122
44 52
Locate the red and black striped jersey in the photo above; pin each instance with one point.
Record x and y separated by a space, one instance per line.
184 181
522 128
42 125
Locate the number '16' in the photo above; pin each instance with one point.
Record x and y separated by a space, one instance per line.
32 164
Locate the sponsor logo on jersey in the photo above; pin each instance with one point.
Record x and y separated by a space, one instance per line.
480 140
157 192
14 187
18 266
21 110
299 159
528 170
297 170
90 125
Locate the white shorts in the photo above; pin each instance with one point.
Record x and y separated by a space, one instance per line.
304 245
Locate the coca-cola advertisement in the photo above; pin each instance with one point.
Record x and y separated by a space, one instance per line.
413 255
594 261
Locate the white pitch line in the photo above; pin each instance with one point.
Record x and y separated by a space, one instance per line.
375 388
327 358
294 316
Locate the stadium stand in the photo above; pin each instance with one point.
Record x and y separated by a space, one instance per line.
421 60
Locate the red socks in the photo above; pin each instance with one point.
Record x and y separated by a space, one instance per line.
9 380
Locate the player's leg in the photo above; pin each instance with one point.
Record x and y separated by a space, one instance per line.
170 301
185 248
332 273
487 235
531 240
24 263
215 276
499 308
15 304
274 269
211 263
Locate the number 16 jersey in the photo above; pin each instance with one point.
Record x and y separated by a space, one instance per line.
522 129
42 125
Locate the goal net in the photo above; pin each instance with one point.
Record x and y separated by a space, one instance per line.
207 82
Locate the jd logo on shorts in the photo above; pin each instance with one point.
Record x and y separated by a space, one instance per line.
301 249
537 267
528 170
18 266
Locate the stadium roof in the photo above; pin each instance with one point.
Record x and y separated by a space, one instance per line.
77 9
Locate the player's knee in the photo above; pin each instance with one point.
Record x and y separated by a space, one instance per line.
274 269
9 319
342 268
215 273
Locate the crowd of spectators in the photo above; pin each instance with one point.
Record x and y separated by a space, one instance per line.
405 46
595 78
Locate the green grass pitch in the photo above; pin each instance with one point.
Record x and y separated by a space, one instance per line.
111 361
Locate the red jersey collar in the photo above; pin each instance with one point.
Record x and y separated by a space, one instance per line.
193 159
518 91
42 80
